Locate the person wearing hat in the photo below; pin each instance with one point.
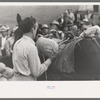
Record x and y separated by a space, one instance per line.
9 47
71 15
3 39
26 61
89 30
70 30
58 34
85 24
10 41
45 29
53 34
88 15
54 25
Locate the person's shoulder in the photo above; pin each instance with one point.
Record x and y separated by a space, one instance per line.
18 43
95 26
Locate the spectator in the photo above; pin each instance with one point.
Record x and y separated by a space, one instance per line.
89 30
45 29
88 15
3 38
78 18
61 21
71 15
9 43
70 30
54 26
99 21
66 18
92 19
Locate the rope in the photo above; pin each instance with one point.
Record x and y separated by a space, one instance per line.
96 42
67 40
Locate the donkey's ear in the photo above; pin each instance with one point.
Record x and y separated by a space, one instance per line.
19 19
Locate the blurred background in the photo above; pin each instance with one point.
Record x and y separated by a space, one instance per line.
43 14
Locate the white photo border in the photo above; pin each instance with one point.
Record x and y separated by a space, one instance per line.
39 89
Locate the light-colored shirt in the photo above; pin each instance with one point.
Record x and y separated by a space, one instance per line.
26 60
78 17
3 39
88 16
71 15
91 31
8 46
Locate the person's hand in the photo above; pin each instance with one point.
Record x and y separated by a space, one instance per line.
53 55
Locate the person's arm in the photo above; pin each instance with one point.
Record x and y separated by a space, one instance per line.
82 34
34 62
7 48
94 30
97 31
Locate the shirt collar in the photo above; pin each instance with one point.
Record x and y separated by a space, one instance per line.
29 39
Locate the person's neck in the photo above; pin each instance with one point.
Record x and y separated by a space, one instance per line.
3 36
29 35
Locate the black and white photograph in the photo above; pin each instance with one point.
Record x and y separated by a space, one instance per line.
49 42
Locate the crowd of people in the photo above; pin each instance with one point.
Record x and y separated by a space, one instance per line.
68 25
22 56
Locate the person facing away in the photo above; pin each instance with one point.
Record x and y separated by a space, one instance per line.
27 65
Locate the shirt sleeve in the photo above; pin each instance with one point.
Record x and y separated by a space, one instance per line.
82 34
34 62
93 30
7 48
98 31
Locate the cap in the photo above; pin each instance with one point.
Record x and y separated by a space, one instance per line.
52 30
3 29
54 23
45 26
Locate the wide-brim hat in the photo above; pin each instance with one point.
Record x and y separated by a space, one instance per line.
86 22
3 29
52 30
45 26
7 27
55 23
